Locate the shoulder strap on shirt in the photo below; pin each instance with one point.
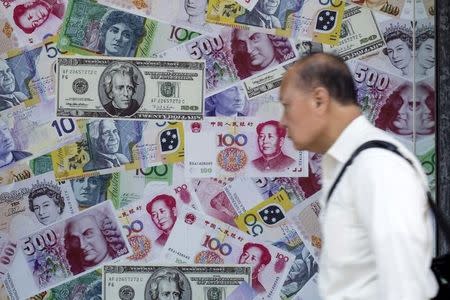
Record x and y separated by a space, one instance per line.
440 217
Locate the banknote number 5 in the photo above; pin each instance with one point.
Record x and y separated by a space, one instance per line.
52 51
371 78
205 46
67 125
39 242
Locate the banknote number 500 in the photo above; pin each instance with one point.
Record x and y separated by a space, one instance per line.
205 46
67 125
39 242
371 78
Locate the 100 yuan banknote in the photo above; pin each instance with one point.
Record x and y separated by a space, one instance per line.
234 54
97 87
274 17
187 282
252 147
29 22
109 146
197 238
91 28
65 250
33 131
149 221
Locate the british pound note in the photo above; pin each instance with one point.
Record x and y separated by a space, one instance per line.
180 13
29 22
273 17
252 148
197 238
181 281
91 28
65 250
121 188
320 21
95 87
108 146
390 7
305 218
149 221
33 131
360 35
234 54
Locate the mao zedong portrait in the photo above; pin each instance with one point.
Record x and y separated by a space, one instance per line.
47 202
105 139
167 285
8 149
163 212
9 97
91 239
271 136
258 256
120 83
256 51
35 13
120 33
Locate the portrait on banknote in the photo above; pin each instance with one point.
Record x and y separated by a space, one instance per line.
123 88
162 210
193 15
90 191
108 144
9 152
258 256
271 136
231 102
90 239
256 51
313 183
10 95
168 283
46 202
32 14
425 54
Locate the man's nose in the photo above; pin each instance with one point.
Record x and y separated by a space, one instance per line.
83 243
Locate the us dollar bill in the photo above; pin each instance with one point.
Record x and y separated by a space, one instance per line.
91 28
187 282
95 87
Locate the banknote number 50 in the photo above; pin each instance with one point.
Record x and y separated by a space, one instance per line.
205 47
67 125
371 78
39 242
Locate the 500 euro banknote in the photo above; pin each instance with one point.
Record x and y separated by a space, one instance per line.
108 146
197 238
65 250
252 148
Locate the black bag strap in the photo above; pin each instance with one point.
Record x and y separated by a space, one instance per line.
439 216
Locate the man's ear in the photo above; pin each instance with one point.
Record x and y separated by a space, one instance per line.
174 211
321 99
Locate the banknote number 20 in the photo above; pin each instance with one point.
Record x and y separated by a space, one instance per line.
371 77
39 242
205 47
67 125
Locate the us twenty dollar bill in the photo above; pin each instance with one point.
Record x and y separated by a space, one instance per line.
109 146
65 250
95 87
187 282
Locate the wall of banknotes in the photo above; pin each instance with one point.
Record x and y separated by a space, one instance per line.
134 140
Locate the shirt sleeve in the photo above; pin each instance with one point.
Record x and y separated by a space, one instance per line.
391 204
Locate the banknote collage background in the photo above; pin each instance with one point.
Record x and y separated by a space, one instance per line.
141 154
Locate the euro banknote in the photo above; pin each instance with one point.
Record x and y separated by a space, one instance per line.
96 87
197 238
91 28
234 54
188 281
242 148
65 250
108 146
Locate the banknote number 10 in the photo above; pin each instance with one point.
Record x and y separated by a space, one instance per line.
229 140
371 77
39 242
205 46
67 125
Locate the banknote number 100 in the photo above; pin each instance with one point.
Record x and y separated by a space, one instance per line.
205 47
67 125
229 140
39 242
214 244
371 77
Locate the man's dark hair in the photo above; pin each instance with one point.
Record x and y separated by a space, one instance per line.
168 200
281 131
265 256
330 72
